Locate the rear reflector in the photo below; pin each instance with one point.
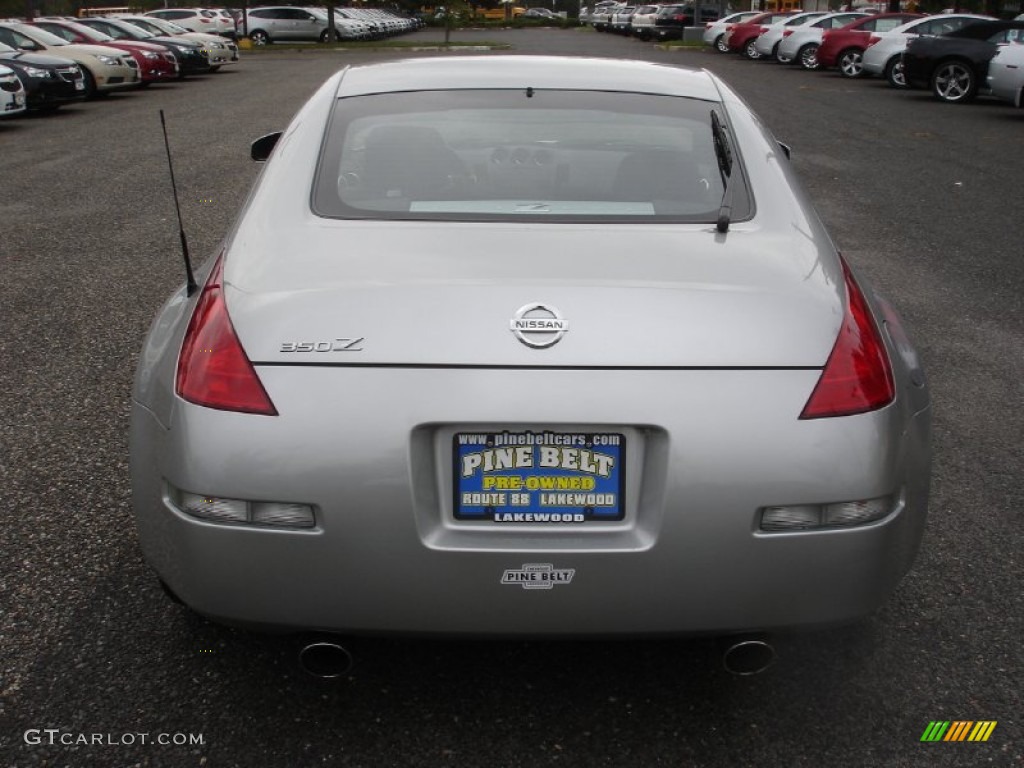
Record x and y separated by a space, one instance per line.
213 370
216 509
846 514
857 376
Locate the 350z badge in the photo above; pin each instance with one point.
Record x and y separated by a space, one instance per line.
329 345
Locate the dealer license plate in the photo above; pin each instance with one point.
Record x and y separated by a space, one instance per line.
530 478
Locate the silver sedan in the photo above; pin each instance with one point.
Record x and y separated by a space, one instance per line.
529 346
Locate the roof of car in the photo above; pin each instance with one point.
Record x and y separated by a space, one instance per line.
982 29
494 72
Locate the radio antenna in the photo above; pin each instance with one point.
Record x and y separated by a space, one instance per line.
190 278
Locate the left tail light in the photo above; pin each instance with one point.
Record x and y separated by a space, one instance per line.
857 377
213 369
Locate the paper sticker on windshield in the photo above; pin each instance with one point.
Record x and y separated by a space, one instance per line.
531 478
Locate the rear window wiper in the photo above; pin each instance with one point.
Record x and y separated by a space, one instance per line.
723 151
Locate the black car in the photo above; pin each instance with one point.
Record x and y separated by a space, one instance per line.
955 66
49 81
193 59
672 19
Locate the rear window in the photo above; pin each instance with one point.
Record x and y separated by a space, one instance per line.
524 155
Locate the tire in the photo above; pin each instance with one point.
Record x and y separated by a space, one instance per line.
894 72
720 45
325 36
777 57
90 84
808 57
750 52
851 62
259 37
954 82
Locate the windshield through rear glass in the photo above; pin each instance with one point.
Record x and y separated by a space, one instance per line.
522 154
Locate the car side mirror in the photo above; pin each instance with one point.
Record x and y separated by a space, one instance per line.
260 149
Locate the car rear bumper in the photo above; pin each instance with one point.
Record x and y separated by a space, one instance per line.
387 555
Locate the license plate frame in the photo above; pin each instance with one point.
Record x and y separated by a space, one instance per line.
517 477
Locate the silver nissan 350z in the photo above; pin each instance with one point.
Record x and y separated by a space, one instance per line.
529 346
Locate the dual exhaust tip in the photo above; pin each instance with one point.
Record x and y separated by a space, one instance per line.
741 656
748 655
325 659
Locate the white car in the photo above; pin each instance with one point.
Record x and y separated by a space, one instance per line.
12 93
768 42
1006 74
642 23
350 24
105 69
228 23
801 44
884 54
198 20
344 27
714 31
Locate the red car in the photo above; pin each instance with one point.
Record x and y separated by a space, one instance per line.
741 37
844 47
156 63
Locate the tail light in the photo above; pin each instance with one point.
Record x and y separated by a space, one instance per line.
213 370
873 39
764 29
787 32
857 376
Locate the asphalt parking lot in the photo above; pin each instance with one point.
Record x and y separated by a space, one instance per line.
924 198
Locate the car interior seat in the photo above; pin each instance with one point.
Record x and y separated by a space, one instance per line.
411 162
654 175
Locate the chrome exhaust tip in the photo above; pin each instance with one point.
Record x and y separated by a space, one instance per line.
325 659
747 656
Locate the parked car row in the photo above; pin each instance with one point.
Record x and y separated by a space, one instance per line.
54 60
649 22
956 55
215 21
284 23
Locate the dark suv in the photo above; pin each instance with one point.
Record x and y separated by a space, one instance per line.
671 19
